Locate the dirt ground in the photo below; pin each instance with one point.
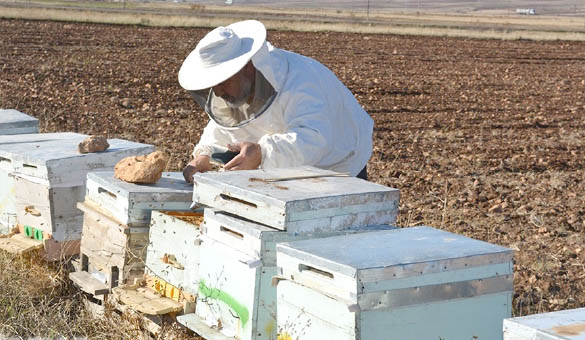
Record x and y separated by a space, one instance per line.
483 137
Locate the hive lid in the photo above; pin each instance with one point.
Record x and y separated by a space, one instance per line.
54 157
281 186
561 325
396 253
15 122
289 197
170 183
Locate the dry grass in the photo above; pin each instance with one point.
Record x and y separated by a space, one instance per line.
428 24
39 301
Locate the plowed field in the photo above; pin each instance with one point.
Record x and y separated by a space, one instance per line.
483 137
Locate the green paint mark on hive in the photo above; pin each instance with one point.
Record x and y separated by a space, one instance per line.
38 234
217 294
29 231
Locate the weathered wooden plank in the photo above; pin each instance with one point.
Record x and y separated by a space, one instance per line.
193 322
146 301
112 248
19 244
88 283
56 251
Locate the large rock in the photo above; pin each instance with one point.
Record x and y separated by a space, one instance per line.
93 144
142 169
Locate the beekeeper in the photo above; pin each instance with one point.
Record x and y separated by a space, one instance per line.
275 107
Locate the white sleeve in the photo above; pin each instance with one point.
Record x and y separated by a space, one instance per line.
212 135
308 137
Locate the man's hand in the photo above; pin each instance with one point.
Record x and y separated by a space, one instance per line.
199 164
249 158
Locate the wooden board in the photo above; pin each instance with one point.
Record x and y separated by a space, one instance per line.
298 205
131 203
561 325
14 122
88 283
194 323
146 301
19 244
57 251
108 244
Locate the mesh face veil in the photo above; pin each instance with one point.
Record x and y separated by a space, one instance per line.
238 113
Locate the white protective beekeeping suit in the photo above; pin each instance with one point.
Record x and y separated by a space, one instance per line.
312 119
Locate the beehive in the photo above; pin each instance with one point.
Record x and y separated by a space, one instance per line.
132 204
561 325
116 226
413 283
13 122
49 179
303 199
7 166
238 261
173 250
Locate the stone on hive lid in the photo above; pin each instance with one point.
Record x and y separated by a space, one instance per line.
142 169
93 144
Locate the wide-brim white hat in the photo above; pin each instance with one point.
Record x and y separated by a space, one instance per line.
221 54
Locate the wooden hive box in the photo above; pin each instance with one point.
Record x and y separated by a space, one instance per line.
286 199
413 283
49 179
114 241
171 275
238 262
13 122
132 204
7 190
173 250
561 325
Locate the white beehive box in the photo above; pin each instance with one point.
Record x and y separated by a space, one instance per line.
414 283
116 225
178 236
275 198
13 122
238 262
111 253
561 325
7 166
50 179
131 203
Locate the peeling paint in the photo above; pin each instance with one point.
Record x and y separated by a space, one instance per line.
574 329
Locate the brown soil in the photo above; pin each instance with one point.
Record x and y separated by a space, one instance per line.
482 137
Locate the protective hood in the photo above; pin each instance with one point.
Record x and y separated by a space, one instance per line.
232 115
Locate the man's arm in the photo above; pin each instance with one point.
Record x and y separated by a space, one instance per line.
212 135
